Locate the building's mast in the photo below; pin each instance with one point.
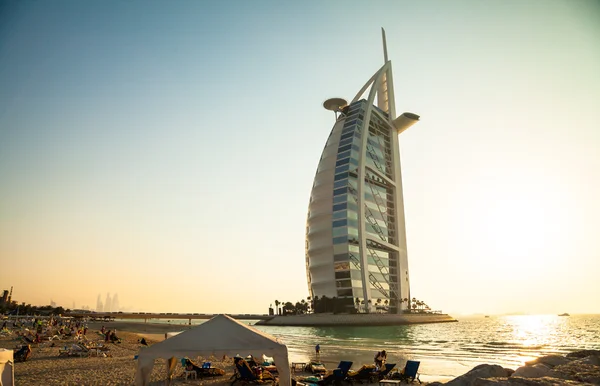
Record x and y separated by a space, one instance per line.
385 56
385 91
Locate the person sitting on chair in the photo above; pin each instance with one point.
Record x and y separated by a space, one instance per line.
380 358
22 354
189 366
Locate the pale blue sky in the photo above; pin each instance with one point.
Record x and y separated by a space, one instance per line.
166 150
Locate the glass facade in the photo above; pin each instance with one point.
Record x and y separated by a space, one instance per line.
363 208
355 230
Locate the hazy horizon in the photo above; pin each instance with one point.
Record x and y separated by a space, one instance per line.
165 151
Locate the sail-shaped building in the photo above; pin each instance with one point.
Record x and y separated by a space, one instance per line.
355 234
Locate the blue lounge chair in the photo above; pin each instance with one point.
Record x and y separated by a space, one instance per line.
344 366
338 374
410 372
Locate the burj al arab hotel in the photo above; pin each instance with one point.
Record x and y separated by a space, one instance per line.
355 232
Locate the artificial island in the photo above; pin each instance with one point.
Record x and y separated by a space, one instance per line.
356 253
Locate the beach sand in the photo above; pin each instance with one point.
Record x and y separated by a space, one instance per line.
46 367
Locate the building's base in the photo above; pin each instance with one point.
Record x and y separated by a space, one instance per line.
312 320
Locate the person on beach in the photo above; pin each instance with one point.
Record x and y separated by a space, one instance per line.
318 351
380 358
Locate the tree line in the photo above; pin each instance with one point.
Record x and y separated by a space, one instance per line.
325 304
14 308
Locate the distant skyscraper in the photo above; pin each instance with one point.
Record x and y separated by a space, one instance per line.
115 303
107 303
99 305
355 234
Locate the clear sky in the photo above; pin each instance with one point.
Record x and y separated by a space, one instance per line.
165 150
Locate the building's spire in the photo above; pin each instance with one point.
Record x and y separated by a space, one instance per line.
385 56
385 88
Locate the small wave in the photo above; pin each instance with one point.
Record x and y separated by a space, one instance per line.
510 345
499 343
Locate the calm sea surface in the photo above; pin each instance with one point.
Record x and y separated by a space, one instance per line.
447 350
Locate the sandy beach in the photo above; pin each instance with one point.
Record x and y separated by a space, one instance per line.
46 367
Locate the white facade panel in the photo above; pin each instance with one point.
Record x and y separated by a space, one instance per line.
356 233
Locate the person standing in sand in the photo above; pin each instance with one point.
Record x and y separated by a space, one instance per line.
318 351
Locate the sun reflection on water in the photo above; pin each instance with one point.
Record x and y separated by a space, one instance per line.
533 332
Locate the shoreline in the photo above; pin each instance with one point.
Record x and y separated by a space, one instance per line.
345 320
46 367
329 356
155 332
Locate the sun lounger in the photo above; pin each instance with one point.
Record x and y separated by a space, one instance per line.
410 372
384 373
245 374
338 375
365 373
78 350
316 368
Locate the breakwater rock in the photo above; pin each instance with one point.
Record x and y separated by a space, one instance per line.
576 368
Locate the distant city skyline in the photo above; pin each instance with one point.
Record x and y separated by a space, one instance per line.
165 151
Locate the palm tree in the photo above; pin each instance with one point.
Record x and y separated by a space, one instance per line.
277 305
288 308
324 304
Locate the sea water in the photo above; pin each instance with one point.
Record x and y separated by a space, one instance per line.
447 350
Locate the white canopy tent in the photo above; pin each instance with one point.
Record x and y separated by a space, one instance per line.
221 335
7 370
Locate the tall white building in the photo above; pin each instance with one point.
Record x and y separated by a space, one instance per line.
99 304
107 303
356 235
115 303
